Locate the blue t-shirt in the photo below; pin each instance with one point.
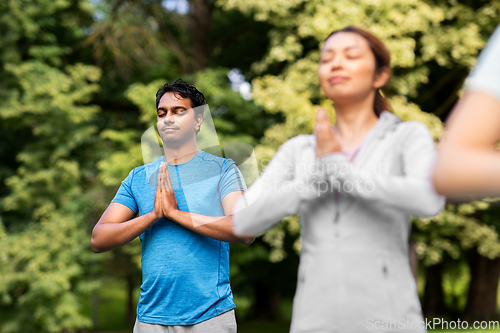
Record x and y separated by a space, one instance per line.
185 276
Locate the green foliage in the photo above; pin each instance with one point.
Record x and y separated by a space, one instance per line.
45 112
47 168
42 29
456 229
44 265
44 275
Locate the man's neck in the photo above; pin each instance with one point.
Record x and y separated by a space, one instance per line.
182 154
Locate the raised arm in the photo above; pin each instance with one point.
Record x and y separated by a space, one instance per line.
271 197
467 163
216 227
118 224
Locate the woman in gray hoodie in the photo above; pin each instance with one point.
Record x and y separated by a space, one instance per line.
355 187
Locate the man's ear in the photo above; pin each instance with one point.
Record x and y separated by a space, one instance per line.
198 120
382 77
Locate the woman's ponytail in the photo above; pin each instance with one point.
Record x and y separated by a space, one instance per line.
380 103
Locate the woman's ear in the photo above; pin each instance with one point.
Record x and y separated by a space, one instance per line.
382 77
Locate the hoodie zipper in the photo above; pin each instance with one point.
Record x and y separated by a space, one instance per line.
337 191
337 212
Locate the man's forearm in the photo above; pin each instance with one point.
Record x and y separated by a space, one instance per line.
216 227
107 236
467 163
463 173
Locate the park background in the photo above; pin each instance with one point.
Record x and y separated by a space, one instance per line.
77 86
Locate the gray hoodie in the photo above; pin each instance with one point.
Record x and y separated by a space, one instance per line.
354 272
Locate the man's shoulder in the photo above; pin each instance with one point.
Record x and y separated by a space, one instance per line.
135 171
139 169
205 156
140 173
211 159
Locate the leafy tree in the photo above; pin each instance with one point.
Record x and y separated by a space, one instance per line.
46 197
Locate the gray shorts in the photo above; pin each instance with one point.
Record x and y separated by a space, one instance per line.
223 323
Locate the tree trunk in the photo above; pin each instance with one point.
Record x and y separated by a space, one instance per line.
267 302
201 14
482 297
130 300
433 294
94 301
414 261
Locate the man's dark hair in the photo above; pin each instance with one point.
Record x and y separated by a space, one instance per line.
185 90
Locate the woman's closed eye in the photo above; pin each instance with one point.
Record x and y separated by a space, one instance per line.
325 60
353 55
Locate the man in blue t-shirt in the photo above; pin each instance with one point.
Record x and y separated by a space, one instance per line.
179 205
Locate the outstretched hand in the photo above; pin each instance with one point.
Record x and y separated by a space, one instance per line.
326 142
165 201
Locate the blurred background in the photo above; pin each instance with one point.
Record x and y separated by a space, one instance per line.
77 90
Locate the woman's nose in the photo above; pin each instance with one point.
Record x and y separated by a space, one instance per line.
336 62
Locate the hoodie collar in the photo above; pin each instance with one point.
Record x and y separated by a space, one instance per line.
386 123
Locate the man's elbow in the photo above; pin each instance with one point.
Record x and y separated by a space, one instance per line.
239 232
95 246
247 240
242 238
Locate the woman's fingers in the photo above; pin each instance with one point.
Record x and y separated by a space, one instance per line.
323 125
325 140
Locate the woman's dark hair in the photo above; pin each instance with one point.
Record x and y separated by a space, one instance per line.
382 60
185 90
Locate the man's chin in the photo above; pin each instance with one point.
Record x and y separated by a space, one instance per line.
172 141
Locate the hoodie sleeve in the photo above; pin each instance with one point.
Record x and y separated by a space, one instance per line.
271 197
411 192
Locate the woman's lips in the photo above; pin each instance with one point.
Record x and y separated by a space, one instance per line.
337 79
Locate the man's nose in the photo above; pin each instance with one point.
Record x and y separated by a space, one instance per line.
169 117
